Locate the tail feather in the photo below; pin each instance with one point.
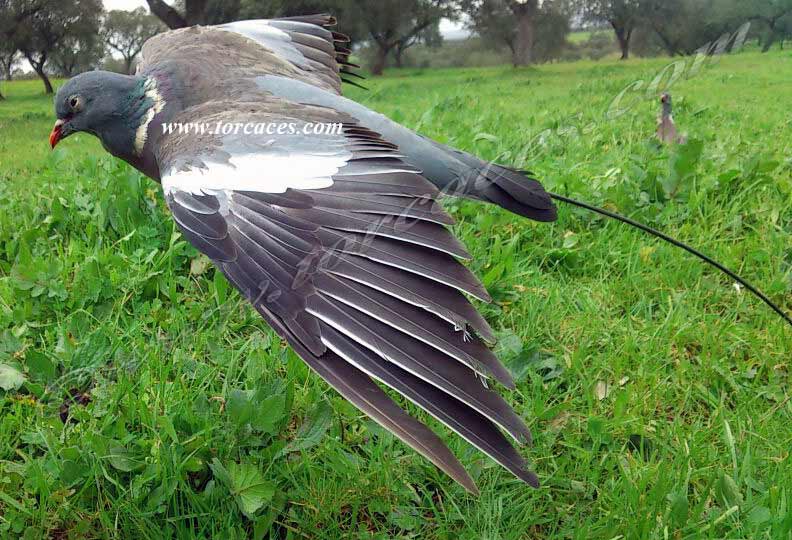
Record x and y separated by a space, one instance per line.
522 200
514 190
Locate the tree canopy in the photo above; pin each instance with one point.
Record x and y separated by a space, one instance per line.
622 15
391 25
125 32
533 30
40 29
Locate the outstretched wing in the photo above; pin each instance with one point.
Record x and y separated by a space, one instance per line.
342 248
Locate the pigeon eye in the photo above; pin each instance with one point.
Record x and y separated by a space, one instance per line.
75 102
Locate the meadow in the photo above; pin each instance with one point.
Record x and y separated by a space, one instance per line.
140 397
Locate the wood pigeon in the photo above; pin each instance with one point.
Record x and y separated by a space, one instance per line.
666 128
337 239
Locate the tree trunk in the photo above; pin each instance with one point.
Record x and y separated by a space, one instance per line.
381 59
399 57
770 40
38 67
668 45
128 65
774 33
166 14
44 79
526 18
195 12
623 36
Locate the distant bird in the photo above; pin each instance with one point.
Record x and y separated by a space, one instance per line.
666 128
336 238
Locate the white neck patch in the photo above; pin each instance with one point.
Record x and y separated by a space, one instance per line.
152 93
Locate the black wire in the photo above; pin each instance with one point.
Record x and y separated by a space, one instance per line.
678 244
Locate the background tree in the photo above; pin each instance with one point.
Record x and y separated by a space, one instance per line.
430 37
53 24
776 15
8 57
531 35
191 12
622 15
194 12
525 14
14 14
683 26
784 29
125 32
514 20
389 23
77 53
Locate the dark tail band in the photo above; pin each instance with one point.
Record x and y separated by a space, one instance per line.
678 244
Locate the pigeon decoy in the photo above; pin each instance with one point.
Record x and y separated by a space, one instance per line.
666 128
336 238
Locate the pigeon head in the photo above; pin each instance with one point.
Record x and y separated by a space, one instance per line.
108 105
665 99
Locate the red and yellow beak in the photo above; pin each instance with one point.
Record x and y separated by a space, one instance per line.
55 135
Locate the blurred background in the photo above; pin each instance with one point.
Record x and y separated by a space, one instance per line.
59 38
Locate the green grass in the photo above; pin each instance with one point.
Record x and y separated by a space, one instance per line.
579 36
657 392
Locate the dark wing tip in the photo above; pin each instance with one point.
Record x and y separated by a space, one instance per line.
338 39
319 19
530 478
503 376
353 83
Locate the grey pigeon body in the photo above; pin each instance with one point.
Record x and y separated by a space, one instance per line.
337 239
666 128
